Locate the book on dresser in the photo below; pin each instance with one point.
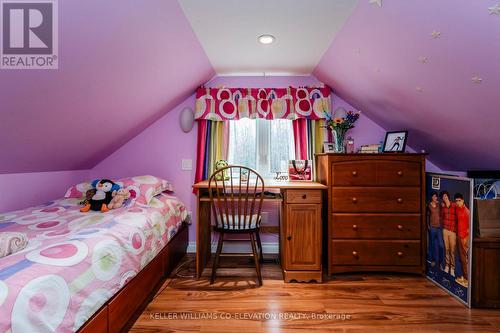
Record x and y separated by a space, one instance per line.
375 211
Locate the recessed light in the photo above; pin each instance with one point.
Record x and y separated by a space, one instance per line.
266 39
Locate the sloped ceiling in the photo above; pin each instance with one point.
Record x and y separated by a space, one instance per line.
122 66
432 67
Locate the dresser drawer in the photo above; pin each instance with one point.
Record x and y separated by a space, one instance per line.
354 173
376 200
375 252
376 173
393 173
303 196
375 226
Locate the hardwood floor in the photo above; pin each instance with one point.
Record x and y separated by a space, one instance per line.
348 303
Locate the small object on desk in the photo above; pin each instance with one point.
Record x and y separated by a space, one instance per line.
244 176
300 169
281 176
219 165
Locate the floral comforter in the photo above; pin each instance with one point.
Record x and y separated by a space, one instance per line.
75 261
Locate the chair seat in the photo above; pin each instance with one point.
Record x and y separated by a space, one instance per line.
237 222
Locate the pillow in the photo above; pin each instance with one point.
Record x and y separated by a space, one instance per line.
144 188
78 190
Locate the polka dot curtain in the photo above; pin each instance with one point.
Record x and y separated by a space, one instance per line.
221 104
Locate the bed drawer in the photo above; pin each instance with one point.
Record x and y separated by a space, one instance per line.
98 323
376 173
375 252
376 200
376 226
126 302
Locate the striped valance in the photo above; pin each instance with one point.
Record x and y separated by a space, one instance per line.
221 104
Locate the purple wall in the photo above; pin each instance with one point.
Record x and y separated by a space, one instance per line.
385 62
23 190
159 149
122 65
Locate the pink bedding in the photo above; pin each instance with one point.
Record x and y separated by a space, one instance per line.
76 261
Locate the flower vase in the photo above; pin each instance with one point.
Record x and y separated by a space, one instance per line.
339 137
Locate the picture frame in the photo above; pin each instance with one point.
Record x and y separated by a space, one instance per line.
300 170
328 147
449 251
395 142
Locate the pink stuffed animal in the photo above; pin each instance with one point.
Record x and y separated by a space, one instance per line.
118 198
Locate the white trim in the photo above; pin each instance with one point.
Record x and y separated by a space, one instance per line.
239 247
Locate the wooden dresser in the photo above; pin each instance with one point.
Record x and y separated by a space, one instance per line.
375 211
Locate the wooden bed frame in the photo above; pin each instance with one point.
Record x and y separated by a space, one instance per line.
120 312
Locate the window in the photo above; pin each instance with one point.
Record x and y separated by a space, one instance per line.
263 145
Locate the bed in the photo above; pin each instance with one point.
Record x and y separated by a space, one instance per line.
87 271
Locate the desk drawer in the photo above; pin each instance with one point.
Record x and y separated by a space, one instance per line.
376 173
303 196
375 252
376 200
376 226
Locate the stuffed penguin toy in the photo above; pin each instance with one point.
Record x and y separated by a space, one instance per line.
102 197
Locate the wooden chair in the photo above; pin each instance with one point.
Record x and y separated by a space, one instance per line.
237 204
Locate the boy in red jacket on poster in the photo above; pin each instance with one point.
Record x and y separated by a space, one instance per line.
463 218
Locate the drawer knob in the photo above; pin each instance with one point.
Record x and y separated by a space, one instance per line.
289 238
400 200
400 254
355 254
354 173
354 200
400 227
304 196
354 227
400 173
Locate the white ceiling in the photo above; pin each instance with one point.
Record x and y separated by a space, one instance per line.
228 31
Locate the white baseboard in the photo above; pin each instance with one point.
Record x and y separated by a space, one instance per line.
239 247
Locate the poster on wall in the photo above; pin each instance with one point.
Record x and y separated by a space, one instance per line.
449 233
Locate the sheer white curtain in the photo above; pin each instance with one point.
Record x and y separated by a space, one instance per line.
264 145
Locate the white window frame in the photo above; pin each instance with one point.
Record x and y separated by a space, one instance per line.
263 146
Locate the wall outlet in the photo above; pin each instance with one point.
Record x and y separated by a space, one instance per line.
264 217
187 164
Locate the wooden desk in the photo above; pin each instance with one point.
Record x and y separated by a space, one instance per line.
300 228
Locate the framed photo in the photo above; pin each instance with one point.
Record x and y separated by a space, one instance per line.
395 142
328 147
300 170
449 212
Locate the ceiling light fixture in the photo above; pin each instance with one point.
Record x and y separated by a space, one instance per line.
266 39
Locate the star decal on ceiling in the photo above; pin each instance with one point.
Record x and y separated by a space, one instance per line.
422 59
376 69
358 50
435 34
495 10
476 79
376 2
419 88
